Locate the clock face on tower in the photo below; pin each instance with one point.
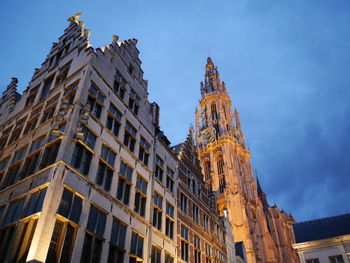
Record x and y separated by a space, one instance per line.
208 135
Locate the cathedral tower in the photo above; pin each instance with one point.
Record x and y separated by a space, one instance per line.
227 170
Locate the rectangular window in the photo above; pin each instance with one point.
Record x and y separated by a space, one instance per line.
157 211
35 202
92 249
125 171
117 242
134 102
3 163
48 113
32 95
46 88
19 154
108 155
113 120
144 151
13 212
336 259
3 141
20 234
141 184
159 168
222 184
69 93
169 221
184 232
15 134
170 179
38 143
50 154
30 125
11 175
70 206
140 196
195 213
168 258
130 136
136 246
81 159
206 222
156 255
104 176
62 242
62 73
197 249
95 100
96 222
119 85
124 184
183 203
89 138
184 250
313 260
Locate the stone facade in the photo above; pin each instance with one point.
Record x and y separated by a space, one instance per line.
87 175
201 230
83 161
225 160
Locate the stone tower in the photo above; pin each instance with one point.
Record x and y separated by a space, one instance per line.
227 170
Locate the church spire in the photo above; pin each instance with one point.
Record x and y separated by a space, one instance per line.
212 80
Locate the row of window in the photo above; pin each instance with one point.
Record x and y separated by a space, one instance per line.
156 255
200 217
28 160
197 249
332 259
158 215
27 124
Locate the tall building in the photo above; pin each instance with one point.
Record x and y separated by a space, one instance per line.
265 231
201 230
86 174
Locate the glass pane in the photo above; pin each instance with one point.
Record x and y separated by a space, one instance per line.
76 209
30 209
92 219
66 203
101 224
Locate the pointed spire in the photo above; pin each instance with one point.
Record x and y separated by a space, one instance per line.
212 80
189 138
260 191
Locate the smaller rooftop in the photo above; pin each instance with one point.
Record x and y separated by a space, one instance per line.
322 228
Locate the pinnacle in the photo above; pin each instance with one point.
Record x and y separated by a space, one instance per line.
75 18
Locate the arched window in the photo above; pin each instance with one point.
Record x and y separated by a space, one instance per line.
222 183
207 171
214 114
220 165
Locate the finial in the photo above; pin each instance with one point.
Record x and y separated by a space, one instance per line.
75 18
115 38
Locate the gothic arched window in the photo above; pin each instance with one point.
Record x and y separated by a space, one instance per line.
214 114
207 171
220 164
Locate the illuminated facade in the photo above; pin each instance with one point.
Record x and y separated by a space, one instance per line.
225 160
201 230
86 175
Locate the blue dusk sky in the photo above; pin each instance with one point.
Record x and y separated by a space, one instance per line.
285 63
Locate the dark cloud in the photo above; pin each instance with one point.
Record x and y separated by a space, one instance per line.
286 65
